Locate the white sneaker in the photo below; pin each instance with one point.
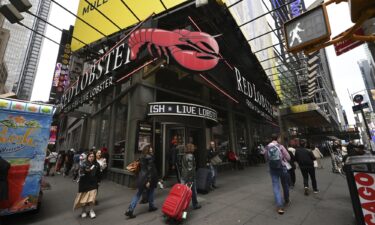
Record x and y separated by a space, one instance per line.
84 215
92 214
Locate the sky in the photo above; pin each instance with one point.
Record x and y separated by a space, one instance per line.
345 71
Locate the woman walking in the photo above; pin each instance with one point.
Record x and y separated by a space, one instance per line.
87 186
147 180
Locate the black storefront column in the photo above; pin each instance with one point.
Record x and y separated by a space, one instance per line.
232 130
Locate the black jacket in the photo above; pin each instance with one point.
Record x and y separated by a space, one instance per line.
90 177
305 158
188 168
4 168
148 172
292 160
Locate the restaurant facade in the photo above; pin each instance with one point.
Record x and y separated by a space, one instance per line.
186 75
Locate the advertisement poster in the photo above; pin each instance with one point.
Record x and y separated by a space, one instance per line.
144 135
24 135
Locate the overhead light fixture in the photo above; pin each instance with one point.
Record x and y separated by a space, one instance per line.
21 5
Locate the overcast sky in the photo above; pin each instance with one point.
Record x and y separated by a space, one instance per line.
344 68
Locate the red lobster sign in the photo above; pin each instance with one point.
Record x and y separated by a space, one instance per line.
196 51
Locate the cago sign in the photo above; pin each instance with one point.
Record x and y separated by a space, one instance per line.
308 29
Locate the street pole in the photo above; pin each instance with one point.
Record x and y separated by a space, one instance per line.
366 125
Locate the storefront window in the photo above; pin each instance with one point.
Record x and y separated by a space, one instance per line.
241 134
121 114
220 133
104 128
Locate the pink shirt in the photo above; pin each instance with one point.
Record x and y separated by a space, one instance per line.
284 153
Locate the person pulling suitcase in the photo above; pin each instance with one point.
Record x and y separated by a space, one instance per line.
188 172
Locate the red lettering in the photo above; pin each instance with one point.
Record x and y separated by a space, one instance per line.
364 179
368 219
366 193
369 206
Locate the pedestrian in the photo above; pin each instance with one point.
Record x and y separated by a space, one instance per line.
233 158
212 161
277 157
68 163
103 165
60 162
147 180
76 161
52 159
318 155
292 168
87 186
188 175
305 159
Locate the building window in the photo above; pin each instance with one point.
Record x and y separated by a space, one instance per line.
220 133
241 134
121 115
104 128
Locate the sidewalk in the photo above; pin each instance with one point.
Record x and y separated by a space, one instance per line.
243 197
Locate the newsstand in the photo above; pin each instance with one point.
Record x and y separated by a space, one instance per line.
360 174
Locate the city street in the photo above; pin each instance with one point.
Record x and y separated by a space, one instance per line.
243 197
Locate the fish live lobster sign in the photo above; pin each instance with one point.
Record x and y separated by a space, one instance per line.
192 50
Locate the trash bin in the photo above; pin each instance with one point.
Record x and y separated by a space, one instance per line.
360 174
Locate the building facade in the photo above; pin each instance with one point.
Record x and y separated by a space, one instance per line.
4 38
207 89
367 69
22 55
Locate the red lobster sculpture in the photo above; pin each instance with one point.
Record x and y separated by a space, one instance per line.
193 50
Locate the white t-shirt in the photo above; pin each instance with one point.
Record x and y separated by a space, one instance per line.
52 157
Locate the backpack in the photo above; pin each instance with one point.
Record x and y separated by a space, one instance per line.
274 157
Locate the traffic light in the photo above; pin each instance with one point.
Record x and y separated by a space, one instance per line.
357 7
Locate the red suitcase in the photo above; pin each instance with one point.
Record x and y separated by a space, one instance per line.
177 202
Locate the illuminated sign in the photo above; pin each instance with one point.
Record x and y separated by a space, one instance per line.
118 12
365 185
308 29
181 109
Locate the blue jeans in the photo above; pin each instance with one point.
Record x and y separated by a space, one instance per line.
213 175
135 200
278 175
194 199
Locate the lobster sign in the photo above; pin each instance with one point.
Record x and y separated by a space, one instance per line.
192 50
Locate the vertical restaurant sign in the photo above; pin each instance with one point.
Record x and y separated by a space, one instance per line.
365 184
24 134
144 135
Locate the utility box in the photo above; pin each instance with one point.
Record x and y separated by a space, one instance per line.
360 174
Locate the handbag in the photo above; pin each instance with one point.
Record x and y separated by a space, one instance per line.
216 160
315 164
134 166
288 166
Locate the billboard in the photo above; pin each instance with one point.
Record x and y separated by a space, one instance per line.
24 134
116 10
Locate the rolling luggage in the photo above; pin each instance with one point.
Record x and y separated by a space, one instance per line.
177 202
203 180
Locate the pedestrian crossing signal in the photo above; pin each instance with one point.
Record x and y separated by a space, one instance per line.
308 29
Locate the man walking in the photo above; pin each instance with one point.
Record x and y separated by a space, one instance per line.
305 159
277 156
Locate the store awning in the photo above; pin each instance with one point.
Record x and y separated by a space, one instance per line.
309 115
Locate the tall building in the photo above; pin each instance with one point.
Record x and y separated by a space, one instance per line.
307 89
22 55
368 74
